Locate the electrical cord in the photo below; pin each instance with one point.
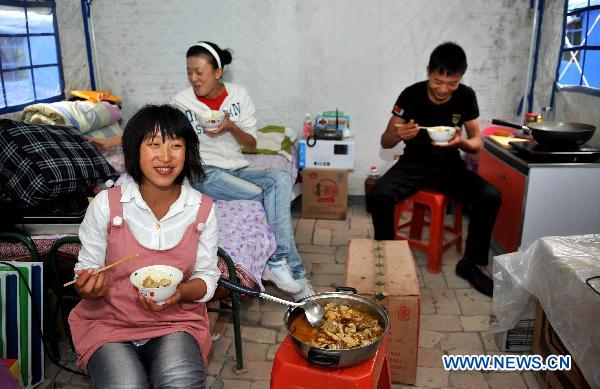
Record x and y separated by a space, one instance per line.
595 288
39 321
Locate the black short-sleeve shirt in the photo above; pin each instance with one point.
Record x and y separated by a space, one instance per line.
413 103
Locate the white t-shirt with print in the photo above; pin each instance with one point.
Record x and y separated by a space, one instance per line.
221 150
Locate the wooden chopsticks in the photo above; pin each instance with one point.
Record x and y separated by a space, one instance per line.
105 268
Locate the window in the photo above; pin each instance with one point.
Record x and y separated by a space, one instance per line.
30 63
580 55
572 38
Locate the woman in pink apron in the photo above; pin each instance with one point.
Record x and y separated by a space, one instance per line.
121 338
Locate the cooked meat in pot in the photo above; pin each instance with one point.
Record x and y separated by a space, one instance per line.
344 327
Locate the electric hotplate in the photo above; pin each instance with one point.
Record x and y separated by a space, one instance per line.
533 152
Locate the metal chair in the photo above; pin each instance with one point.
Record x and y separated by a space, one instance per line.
233 309
23 239
65 301
66 298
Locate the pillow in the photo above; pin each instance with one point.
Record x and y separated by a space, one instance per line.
40 163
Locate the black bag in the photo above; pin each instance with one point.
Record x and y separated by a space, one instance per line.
39 163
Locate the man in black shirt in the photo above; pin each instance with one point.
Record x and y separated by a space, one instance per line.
441 100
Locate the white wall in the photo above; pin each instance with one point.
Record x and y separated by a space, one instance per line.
569 106
311 56
298 56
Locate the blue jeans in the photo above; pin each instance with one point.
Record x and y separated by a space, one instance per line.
272 187
170 361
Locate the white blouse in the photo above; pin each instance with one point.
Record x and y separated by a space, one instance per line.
221 150
151 232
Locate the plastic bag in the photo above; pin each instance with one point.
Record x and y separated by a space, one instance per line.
560 272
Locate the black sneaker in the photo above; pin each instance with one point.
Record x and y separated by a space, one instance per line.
470 272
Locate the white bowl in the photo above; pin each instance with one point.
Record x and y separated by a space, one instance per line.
210 119
160 294
440 135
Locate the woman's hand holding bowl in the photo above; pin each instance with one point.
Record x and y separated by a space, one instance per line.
224 126
149 305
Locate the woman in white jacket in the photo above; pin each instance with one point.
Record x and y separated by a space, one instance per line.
228 174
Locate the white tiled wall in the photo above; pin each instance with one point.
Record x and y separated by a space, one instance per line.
313 55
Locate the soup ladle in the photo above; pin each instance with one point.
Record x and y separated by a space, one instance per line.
314 312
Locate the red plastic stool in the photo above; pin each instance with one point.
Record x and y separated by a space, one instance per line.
436 246
292 371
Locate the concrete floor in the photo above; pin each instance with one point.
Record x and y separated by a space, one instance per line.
454 319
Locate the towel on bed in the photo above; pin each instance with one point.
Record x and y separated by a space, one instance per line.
274 140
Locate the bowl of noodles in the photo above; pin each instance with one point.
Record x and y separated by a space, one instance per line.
210 119
157 282
440 135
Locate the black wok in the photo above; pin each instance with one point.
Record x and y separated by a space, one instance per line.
555 134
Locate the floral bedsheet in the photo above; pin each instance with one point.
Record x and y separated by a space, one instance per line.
243 229
245 235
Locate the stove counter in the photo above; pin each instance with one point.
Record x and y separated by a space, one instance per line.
508 156
540 199
520 163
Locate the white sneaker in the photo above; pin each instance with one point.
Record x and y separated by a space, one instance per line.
282 278
307 289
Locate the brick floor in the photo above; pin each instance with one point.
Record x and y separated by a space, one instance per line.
454 318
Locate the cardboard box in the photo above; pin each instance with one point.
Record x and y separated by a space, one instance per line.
546 342
324 194
326 154
386 271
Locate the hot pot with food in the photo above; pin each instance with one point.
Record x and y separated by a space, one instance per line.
350 332
358 321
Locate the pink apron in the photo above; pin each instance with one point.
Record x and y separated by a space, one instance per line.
118 317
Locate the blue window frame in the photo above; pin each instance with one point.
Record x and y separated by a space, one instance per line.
579 66
30 61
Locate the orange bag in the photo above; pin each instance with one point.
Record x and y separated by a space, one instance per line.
96 96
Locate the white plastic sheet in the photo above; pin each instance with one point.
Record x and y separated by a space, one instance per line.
557 271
